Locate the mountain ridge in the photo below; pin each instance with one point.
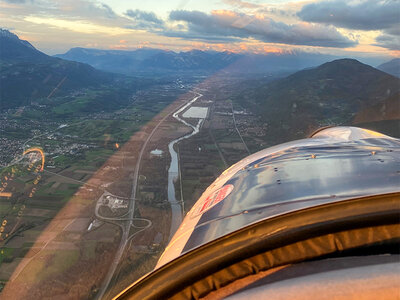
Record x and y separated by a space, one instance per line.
12 48
330 94
158 60
28 74
391 67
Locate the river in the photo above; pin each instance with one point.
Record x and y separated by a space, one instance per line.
173 171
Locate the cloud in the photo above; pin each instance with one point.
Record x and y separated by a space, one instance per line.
18 1
78 26
107 10
364 15
390 42
228 24
277 12
85 10
242 4
92 11
393 31
389 39
200 37
360 15
144 19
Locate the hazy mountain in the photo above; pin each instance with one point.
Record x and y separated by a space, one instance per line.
150 60
28 74
190 61
156 60
286 62
331 94
118 61
391 67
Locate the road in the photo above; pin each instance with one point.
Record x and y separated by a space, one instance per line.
129 220
210 131
237 130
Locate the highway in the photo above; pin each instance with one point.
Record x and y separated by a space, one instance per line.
126 228
128 220
237 130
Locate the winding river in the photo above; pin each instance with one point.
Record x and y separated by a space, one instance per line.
173 171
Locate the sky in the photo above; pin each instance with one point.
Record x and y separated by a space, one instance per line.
338 27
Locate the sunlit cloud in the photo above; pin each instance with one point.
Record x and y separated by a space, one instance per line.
234 25
228 24
79 26
242 4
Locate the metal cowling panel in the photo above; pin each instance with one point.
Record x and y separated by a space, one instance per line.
293 253
293 180
329 228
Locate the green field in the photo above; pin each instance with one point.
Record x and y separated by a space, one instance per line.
6 254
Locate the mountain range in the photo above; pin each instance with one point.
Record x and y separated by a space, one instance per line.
28 74
149 60
391 67
343 91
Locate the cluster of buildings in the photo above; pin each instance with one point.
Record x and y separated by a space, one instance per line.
115 203
250 125
9 148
